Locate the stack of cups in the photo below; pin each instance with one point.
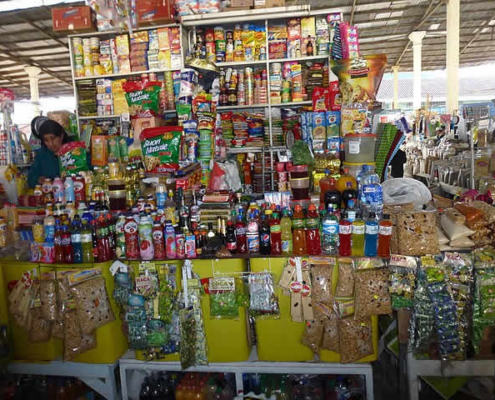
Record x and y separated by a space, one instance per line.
87 62
249 86
77 46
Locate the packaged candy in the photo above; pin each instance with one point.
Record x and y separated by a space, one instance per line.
143 98
72 157
402 281
263 301
161 148
223 298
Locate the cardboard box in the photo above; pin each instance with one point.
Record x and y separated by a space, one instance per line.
154 12
73 19
269 3
241 3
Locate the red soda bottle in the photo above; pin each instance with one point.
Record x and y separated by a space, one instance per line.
58 248
67 245
313 244
79 190
240 233
158 241
275 235
345 232
131 239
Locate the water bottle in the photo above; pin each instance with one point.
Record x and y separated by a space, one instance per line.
69 190
330 233
372 193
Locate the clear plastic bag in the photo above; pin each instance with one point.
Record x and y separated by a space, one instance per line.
417 233
345 283
263 301
321 283
405 190
313 335
75 342
48 297
372 292
223 298
39 330
355 339
20 300
402 281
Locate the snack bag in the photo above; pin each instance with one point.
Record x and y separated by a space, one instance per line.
161 148
360 78
73 158
143 98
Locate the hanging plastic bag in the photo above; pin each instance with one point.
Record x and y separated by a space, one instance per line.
405 190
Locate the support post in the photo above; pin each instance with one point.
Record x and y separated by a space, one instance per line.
416 38
33 73
453 22
395 70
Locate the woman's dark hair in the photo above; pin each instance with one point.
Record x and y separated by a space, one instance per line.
46 127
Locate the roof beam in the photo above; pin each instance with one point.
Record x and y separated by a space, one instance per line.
353 10
44 32
478 34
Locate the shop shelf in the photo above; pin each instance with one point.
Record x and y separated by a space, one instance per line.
293 104
149 71
242 107
240 63
305 58
114 116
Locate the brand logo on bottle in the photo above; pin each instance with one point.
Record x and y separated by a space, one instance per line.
241 231
157 235
385 230
358 229
330 228
131 227
265 238
345 229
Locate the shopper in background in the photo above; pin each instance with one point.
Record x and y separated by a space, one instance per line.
46 163
397 163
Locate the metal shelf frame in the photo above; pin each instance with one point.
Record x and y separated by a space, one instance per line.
99 377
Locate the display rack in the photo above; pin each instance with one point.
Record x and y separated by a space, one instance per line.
128 362
110 34
99 377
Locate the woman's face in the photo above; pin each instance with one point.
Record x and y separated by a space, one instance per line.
52 142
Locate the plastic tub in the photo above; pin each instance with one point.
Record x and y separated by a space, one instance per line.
359 148
299 171
300 194
355 168
299 183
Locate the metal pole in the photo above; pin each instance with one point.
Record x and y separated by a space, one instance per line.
453 22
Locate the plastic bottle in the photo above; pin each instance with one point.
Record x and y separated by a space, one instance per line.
58 190
240 233
265 234
345 178
286 227
49 225
79 189
345 232
230 238
131 238
58 249
333 196
372 192
348 194
86 243
252 235
180 243
330 233
76 240
96 256
371 236
170 244
313 244
341 389
275 235
351 210
170 208
69 190
47 189
158 241
120 237
357 237
384 236
359 182
299 234
324 186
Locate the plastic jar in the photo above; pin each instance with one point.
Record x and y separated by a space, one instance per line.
360 148
299 171
355 168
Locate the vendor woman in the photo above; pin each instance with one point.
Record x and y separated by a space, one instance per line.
46 163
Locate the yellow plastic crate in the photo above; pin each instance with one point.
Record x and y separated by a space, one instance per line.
280 339
227 339
110 342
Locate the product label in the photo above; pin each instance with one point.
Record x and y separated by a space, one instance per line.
298 223
75 238
345 229
286 246
296 287
265 238
354 147
312 223
275 229
46 187
305 291
253 243
358 229
58 241
372 229
385 230
373 194
49 231
240 231
157 235
232 245
130 227
330 227
223 284
86 238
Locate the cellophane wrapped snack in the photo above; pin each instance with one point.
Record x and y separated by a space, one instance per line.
223 298
345 283
143 98
75 341
355 339
64 302
421 328
313 333
48 296
263 301
72 157
135 322
372 295
417 233
161 148
330 340
39 329
20 298
402 281
321 283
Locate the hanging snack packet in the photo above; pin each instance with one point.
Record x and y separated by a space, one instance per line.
166 295
161 148
345 283
355 339
263 301
321 283
372 296
421 328
39 329
20 299
73 158
143 98
223 298
360 78
313 332
402 281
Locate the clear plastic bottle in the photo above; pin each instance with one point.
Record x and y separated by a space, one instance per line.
385 228
345 232
286 226
372 193
299 234
76 240
330 233
357 237
371 236
351 210
313 242
86 243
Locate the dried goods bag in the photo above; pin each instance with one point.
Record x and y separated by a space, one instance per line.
417 233
355 339
72 158
161 148
372 292
454 231
143 98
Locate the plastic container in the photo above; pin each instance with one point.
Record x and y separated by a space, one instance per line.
355 168
299 171
359 148
300 194
299 183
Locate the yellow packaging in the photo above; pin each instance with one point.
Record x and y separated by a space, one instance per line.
122 42
308 27
163 39
99 155
165 59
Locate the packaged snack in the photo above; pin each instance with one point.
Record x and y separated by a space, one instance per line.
345 284
453 230
313 334
330 340
321 283
421 328
355 119
372 295
263 301
143 98
355 339
223 298
402 281
75 342
470 213
333 124
417 233
39 329
48 297
161 148
99 155
334 98
20 299
72 157
359 78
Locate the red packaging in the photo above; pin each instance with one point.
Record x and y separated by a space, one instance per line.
334 98
154 12
80 19
320 95
158 242
131 239
79 190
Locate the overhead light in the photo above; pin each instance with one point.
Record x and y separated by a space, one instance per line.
434 26
476 30
485 30
383 15
492 22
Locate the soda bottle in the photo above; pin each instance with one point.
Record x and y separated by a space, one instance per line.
275 235
330 233
69 189
345 231
324 185
230 237
190 244
131 238
333 196
371 236
57 242
170 249
158 241
286 227
357 237
180 243
120 237
47 190
58 190
351 210
38 196
298 234
344 179
94 238
170 208
240 233
265 234
252 235
75 238
384 236
79 189
49 226
348 194
145 228
313 244
86 243
102 240
108 227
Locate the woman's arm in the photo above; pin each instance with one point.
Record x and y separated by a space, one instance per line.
34 173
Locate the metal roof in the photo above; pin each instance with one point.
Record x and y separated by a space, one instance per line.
26 38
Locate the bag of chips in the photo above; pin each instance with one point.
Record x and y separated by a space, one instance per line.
72 157
360 78
143 98
161 147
